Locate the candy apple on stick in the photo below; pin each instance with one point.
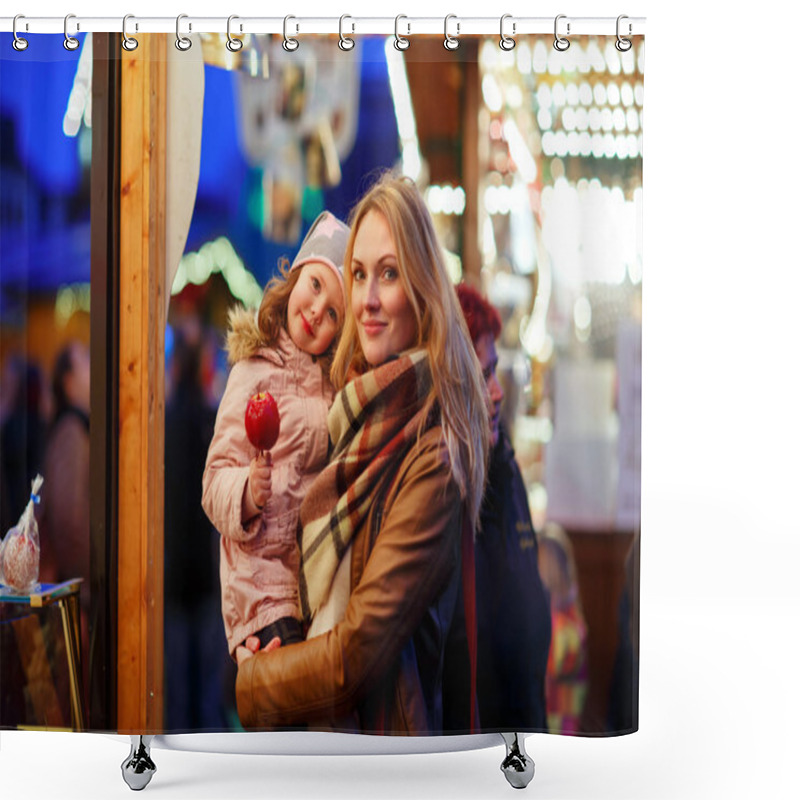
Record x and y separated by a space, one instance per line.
262 422
262 425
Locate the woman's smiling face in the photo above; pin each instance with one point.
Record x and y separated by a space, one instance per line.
384 316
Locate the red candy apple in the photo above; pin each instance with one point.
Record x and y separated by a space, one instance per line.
262 421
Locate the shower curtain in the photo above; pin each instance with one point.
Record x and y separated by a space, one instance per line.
146 191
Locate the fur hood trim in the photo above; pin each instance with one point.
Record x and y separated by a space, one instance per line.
244 336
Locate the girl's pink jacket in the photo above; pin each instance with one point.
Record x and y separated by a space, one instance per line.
259 558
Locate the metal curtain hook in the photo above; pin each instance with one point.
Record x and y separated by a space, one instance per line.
128 42
507 42
70 42
400 42
560 43
289 44
451 42
19 44
623 45
183 43
233 45
345 42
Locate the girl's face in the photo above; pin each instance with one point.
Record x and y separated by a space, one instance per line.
316 308
384 316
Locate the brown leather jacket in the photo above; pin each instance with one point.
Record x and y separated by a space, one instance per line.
383 668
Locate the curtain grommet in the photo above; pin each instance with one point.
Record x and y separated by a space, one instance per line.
507 42
622 44
289 44
560 43
182 43
70 42
19 44
401 42
233 45
345 42
451 42
129 43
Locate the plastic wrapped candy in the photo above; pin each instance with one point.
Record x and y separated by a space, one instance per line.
20 566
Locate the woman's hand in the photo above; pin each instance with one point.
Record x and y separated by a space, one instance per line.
251 647
260 479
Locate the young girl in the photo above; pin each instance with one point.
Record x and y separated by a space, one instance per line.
286 350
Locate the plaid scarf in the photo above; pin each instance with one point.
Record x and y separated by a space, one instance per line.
372 422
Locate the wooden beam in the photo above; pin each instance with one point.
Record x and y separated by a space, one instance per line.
105 197
141 387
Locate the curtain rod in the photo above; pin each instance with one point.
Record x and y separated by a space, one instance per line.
299 25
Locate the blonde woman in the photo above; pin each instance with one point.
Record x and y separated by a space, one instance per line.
401 493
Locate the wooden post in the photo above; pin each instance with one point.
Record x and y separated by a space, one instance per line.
141 387
470 168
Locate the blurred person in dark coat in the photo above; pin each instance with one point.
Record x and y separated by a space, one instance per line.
194 640
512 605
22 436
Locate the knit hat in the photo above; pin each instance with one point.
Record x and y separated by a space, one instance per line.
325 242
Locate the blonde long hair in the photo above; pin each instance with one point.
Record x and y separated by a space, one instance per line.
458 390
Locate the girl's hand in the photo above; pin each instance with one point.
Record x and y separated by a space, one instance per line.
251 646
260 479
